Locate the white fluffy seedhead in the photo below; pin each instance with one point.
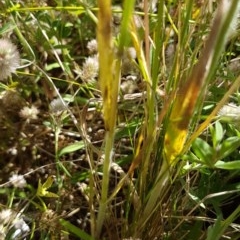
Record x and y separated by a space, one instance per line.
9 58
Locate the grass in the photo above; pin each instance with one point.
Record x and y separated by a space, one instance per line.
137 139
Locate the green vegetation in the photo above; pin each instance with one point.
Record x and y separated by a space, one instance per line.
119 120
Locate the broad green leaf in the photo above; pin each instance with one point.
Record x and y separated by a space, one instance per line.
228 146
203 151
71 148
217 134
233 165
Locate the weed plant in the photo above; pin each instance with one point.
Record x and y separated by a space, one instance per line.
119 120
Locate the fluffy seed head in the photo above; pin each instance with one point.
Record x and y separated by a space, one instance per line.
57 106
20 228
130 53
230 111
92 46
18 181
9 58
12 223
90 69
6 216
29 112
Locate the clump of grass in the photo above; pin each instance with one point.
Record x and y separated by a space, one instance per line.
105 163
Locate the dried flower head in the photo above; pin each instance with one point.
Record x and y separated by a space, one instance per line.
48 220
18 181
90 69
29 112
9 58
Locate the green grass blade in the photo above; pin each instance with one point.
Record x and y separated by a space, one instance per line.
75 230
216 231
109 90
